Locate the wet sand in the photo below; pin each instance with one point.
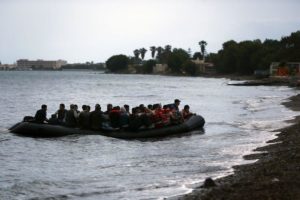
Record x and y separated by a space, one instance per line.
276 174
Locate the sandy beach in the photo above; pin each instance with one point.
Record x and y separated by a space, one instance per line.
276 174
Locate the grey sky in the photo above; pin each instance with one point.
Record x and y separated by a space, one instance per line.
93 30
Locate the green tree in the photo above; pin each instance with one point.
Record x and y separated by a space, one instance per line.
227 57
117 63
166 54
202 45
168 48
190 68
136 53
159 51
143 52
197 55
176 59
153 51
246 57
148 66
290 47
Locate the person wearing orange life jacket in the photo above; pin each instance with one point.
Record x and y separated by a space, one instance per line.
114 116
160 118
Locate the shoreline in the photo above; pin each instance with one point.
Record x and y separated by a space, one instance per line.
245 80
275 174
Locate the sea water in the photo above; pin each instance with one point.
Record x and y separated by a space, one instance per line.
238 119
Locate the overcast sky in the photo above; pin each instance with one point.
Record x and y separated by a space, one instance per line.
93 30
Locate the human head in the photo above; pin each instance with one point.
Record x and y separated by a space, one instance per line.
142 107
126 107
186 107
137 110
88 108
75 107
177 102
133 110
97 107
116 108
155 106
150 107
109 107
44 107
71 106
84 107
62 106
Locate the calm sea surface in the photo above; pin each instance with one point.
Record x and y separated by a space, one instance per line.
97 167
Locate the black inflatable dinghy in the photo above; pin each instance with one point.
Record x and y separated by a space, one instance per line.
46 130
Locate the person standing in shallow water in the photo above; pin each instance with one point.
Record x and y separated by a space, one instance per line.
41 115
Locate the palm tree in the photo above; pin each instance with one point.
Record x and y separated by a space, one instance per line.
166 53
202 45
143 52
153 51
136 54
159 51
168 48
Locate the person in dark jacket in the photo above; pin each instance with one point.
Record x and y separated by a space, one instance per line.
84 118
70 117
109 109
61 114
127 108
96 118
41 115
175 105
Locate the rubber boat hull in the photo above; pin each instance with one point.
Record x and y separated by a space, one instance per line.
45 130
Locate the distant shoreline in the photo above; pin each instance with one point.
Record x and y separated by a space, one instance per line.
249 80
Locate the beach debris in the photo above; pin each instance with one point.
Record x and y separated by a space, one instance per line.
275 180
208 183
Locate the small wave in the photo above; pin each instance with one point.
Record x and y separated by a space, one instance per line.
125 96
222 123
3 140
155 186
205 169
98 192
55 197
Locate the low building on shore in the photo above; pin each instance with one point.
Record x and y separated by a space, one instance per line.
7 67
160 68
285 69
24 64
204 67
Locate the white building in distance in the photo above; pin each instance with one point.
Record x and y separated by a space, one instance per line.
24 64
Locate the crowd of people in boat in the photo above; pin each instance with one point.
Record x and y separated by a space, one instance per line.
115 117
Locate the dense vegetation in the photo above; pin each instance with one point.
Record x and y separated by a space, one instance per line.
234 58
117 63
84 66
246 56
